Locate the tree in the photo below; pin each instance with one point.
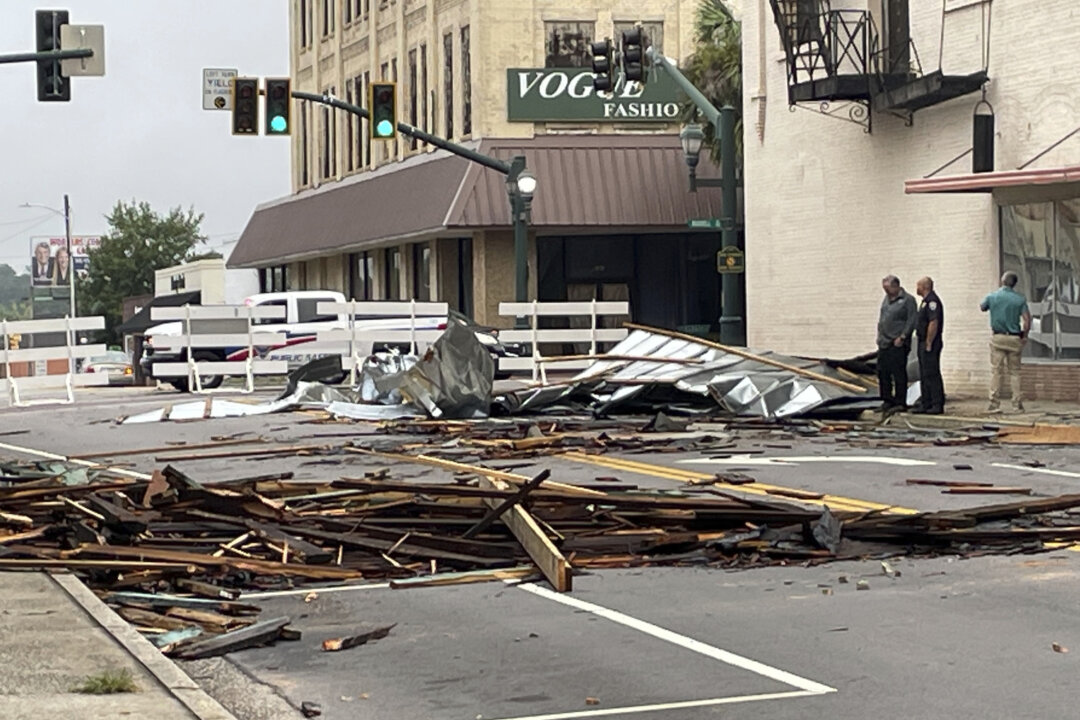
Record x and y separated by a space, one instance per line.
716 68
139 242
14 294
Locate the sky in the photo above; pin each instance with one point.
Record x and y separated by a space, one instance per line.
139 132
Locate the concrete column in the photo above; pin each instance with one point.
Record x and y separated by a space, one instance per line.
493 274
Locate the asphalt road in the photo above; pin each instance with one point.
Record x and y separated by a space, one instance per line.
948 638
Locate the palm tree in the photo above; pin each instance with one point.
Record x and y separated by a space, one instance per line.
716 68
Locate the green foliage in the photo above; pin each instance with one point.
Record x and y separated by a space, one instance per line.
109 683
715 68
14 294
139 242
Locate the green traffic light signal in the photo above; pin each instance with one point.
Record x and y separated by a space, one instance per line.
278 104
382 106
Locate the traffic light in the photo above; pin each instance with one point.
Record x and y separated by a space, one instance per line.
382 105
278 103
602 64
245 106
633 54
52 86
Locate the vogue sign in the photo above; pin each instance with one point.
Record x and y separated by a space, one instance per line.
567 94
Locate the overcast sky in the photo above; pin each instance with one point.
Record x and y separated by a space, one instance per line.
140 131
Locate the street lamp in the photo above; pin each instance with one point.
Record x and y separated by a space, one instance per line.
521 187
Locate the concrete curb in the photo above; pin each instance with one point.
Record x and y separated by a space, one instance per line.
183 688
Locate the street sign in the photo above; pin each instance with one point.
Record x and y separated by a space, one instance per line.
217 88
704 223
80 37
730 261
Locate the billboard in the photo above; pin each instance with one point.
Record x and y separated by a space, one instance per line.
52 266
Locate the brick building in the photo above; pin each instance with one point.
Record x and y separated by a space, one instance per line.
834 206
395 220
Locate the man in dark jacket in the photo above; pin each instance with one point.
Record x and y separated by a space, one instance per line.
928 331
895 325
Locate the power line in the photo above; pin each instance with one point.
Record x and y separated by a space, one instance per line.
24 220
25 230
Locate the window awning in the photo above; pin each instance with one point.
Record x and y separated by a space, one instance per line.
1051 178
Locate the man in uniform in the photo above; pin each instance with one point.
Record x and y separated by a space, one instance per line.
895 325
1010 321
928 331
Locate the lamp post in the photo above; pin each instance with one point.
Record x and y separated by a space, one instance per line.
692 137
520 186
66 214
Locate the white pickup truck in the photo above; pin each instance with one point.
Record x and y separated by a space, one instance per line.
302 322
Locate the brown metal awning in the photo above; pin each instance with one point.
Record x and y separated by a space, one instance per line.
606 183
1053 178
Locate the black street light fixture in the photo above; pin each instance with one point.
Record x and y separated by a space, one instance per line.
521 187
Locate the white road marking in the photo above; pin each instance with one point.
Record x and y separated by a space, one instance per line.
1044 471
73 461
316 590
683 641
667 706
796 459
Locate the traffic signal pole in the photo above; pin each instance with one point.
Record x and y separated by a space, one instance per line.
513 170
732 325
48 55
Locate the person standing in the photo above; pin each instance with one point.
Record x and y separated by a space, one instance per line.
1010 323
895 325
928 332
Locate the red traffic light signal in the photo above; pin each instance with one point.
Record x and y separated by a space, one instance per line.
245 106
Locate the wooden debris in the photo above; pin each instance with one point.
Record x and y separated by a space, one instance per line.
466 578
344 643
984 490
261 633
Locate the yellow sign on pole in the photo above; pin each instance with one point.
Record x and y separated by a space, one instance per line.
730 261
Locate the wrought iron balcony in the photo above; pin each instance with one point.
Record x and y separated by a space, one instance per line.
836 55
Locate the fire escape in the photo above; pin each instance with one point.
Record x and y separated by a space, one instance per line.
841 61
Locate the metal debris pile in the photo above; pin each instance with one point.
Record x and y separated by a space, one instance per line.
175 556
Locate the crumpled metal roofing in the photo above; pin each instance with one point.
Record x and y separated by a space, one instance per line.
738 385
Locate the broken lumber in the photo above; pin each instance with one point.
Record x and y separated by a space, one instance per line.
344 643
542 551
261 633
280 450
948 483
166 448
497 511
466 578
984 490
850 387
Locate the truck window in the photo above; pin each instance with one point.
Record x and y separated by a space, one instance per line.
307 310
271 321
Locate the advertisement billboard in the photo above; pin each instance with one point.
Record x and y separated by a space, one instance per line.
52 266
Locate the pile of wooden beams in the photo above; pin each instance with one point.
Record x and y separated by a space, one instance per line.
175 555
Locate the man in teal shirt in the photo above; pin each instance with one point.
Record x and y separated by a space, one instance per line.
1010 321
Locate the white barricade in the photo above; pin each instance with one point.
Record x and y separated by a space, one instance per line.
371 323
219 326
593 334
71 350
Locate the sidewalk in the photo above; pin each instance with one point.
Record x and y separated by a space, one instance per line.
54 633
967 411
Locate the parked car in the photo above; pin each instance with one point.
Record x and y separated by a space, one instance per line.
302 323
115 363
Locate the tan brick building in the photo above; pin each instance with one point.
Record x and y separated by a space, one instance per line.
380 219
827 214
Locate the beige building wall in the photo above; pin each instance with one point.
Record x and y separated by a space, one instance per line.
826 213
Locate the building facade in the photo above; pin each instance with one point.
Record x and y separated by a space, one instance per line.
833 206
396 220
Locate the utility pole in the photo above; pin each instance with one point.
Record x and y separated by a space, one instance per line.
71 258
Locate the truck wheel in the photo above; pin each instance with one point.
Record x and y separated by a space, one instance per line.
209 382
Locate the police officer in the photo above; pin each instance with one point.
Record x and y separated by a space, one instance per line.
928 331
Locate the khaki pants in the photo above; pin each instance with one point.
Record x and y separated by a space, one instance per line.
1005 361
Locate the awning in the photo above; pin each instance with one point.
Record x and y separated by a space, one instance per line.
1050 179
140 321
620 183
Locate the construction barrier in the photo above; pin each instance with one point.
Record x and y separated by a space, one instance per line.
16 359
591 311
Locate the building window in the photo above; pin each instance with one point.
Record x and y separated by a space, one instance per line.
394 79
361 275
348 11
366 159
328 18
423 89
328 129
465 276
1041 243
412 95
421 271
568 44
392 273
305 24
305 159
466 83
274 279
350 140
653 32
448 85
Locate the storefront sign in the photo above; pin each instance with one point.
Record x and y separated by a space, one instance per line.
730 261
566 94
